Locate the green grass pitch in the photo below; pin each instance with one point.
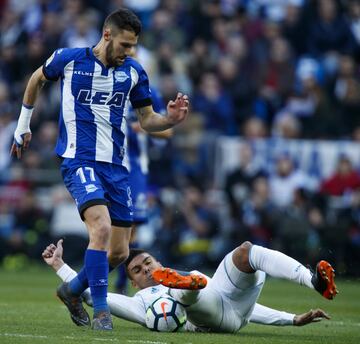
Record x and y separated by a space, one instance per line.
30 313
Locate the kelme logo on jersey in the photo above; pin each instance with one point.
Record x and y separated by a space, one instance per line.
120 76
100 98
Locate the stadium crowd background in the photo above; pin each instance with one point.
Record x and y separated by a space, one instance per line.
254 70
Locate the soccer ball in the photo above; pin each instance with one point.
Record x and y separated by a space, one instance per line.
165 314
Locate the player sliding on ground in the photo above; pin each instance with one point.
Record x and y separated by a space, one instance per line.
224 303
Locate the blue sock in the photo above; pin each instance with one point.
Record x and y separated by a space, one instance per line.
97 270
79 283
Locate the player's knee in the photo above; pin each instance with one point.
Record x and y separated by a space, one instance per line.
100 230
241 257
118 256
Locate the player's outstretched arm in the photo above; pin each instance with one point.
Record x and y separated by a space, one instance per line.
22 135
268 316
313 315
52 255
177 111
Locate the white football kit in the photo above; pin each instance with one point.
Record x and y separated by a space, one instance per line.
226 304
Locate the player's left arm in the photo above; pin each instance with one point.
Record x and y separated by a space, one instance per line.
165 134
313 315
177 111
269 316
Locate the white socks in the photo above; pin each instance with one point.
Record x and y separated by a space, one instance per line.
277 264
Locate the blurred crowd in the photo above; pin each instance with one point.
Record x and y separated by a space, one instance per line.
254 69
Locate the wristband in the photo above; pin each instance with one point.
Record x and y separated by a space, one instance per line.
23 125
66 273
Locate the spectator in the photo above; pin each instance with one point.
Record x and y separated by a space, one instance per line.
215 105
238 181
254 128
258 213
80 34
286 126
330 35
197 224
286 180
354 18
345 179
347 92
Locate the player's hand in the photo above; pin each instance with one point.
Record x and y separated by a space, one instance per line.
21 142
52 255
178 109
314 315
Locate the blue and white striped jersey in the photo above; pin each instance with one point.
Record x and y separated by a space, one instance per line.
94 104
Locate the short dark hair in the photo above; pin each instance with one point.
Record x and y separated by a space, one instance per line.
124 19
132 254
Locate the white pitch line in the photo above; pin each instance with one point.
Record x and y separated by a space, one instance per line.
343 323
23 335
19 335
145 341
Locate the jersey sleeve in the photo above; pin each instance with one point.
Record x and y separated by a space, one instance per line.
128 308
268 316
140 95
53 67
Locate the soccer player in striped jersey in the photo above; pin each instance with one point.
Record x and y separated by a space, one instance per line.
224 303
97 86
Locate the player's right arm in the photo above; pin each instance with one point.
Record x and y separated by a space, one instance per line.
53 69
22 135
125 307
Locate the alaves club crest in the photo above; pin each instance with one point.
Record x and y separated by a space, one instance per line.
120 76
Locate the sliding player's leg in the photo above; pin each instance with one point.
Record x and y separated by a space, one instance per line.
250 257
177 279
239 289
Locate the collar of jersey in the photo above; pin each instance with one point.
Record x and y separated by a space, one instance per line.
104 70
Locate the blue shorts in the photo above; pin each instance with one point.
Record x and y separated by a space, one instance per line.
138 185
94 182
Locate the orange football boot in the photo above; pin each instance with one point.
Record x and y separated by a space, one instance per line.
323 280
179 280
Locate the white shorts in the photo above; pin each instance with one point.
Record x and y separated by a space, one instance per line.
239 291
227 302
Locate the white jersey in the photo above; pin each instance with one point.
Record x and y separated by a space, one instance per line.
220 307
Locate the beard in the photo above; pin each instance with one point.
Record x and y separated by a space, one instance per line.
109 55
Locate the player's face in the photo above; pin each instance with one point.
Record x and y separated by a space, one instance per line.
120 45
140 269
